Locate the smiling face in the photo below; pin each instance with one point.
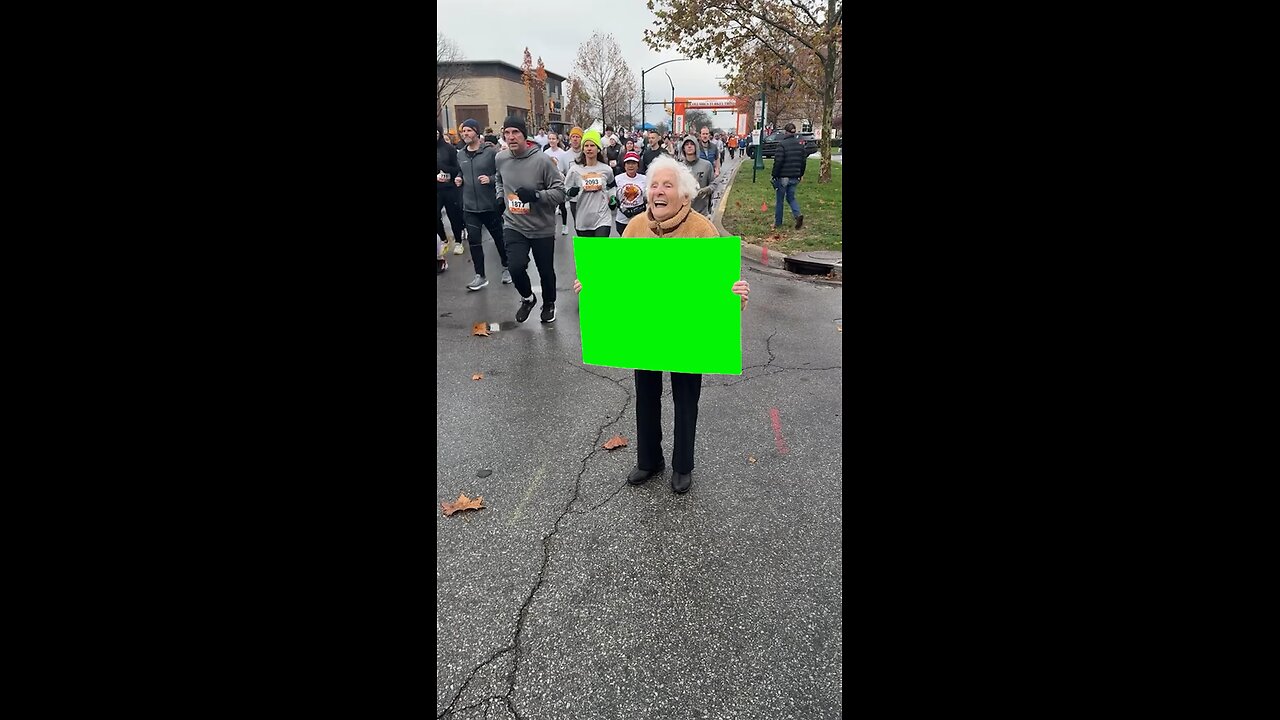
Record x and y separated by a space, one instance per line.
631 166
664 194
553 140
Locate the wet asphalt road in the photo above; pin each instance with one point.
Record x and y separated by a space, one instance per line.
575 595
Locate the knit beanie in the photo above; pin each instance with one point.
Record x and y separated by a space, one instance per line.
471 124
577 131
593 137
517 123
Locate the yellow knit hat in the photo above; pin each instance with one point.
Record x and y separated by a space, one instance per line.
576 131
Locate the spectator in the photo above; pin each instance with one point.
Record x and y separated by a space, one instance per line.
671 189
789 163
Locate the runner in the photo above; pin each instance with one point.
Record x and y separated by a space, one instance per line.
563 159
481 205
588 180
532 187
630 193
575 149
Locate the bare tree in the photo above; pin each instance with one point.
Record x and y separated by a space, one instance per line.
694 120
605 77
577 108
450 79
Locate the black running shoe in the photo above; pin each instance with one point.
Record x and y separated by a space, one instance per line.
548 312
526 307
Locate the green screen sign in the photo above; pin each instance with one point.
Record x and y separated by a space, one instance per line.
661 303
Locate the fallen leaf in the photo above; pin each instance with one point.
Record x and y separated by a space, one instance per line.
478 376
751 458
480 329
462 503
616 441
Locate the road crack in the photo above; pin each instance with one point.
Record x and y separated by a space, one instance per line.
523 612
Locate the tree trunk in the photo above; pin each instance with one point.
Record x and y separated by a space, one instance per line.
828 112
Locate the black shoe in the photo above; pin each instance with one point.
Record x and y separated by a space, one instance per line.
526 307
680 482
548 312
799 221
640 477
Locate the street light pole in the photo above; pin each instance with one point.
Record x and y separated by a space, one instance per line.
642 72
673 100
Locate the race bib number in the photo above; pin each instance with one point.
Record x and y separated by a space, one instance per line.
592 182
516 205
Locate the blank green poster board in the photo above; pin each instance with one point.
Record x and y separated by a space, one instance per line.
661 303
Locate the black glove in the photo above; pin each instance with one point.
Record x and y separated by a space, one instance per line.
499 204
573 191
774 182
632 212
613 202
527 195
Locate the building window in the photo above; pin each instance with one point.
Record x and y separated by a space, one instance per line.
522 113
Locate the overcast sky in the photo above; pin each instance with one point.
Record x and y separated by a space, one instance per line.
556 36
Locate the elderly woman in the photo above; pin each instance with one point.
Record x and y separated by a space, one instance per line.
671 190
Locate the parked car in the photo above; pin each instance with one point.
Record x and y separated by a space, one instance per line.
807 141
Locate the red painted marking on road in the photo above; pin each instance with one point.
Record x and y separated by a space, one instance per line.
764 255
777 432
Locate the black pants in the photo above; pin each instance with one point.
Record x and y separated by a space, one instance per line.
450 201
544 249
475 237
621 228
686 388
602 231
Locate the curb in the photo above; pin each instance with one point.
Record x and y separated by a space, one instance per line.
754 253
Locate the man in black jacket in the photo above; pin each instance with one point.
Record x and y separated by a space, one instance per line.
789 163
651 151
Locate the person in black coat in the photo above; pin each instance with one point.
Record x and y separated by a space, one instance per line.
789 162
448 197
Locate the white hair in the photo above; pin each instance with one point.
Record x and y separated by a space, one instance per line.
686 183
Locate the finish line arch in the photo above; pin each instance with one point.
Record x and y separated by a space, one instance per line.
707 103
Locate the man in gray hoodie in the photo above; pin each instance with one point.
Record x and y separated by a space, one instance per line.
480 203
531 187
702 171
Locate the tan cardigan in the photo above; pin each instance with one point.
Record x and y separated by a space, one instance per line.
684 224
